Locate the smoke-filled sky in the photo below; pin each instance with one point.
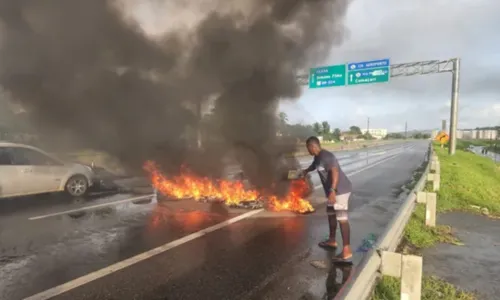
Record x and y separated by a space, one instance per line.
406 31
123 76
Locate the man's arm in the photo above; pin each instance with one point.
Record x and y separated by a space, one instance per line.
333 165
335 178
312 167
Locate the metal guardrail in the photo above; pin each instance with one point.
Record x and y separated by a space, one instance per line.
363 280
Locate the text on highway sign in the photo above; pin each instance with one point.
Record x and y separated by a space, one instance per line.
374 71
327 76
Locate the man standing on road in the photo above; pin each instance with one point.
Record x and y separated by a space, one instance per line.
338 189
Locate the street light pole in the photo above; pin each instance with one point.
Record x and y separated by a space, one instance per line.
454 105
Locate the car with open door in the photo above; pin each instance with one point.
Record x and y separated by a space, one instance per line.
27 170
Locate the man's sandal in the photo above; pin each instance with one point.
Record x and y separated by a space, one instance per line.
327 245
340 259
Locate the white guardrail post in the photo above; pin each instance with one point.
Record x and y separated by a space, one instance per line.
383 260
435 176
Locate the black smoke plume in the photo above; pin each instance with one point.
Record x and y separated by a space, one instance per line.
88 68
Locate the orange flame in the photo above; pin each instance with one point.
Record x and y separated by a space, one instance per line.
188 185
293 201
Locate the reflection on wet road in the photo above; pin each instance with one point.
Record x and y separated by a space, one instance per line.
242 259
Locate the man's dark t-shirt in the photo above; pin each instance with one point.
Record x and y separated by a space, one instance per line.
324 162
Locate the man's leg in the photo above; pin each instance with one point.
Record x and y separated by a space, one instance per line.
341 208
332 225
345 231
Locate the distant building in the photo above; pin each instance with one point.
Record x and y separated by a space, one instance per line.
477 134
377 133
347 136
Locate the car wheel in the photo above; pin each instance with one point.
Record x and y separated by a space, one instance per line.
77 186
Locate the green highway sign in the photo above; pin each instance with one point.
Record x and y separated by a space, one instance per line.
327 76
375 71
368 76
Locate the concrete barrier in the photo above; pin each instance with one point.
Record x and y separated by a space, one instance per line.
435 179
408 268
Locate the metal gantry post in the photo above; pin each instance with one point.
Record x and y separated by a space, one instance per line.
455 83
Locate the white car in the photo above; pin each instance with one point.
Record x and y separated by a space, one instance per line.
26 170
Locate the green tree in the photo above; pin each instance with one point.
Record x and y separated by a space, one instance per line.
282 124
394 136
326 128
368 136
283 117
318 129
336 134
355 130
300 131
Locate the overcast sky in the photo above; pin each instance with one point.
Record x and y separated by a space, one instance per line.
406 31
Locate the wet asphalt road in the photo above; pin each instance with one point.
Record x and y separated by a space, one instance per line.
264 256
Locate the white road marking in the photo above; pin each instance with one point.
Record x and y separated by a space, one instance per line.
91 207
57 290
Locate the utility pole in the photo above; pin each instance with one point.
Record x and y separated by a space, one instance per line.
367 125
455 82
406 130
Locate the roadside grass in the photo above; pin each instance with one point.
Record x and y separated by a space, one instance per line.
470 183
418 236
433 288
468 180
